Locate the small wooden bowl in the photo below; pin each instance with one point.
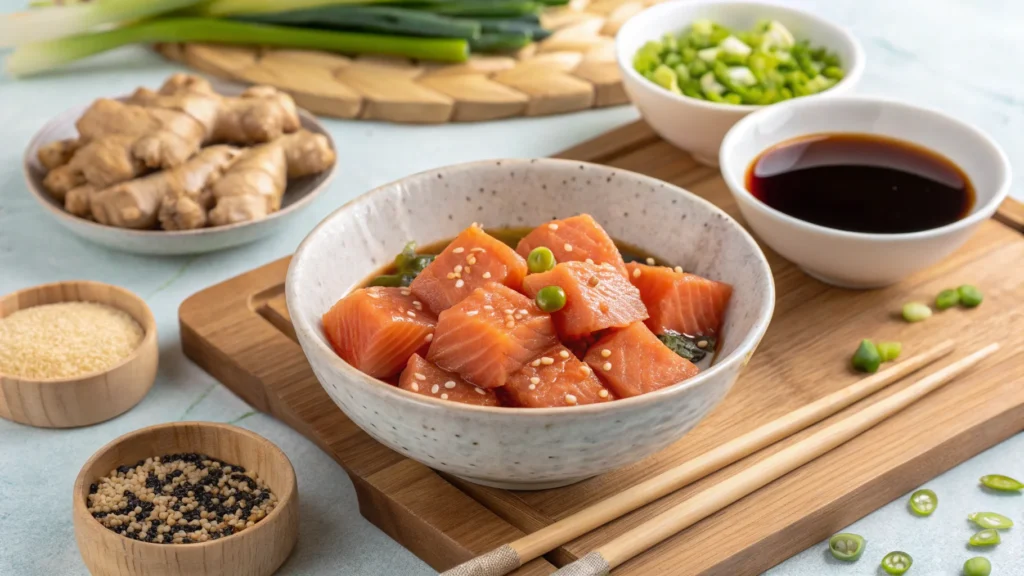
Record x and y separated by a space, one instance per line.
257 551
91 398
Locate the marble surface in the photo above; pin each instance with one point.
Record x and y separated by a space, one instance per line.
960 56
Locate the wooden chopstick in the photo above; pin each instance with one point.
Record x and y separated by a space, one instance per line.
507 558
701 505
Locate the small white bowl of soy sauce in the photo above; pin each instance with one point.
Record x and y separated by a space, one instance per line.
860 192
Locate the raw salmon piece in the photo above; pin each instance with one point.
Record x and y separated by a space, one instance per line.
575 239
424 378
471 260
377 329
632 361
596 297
490 334
680 302
555 378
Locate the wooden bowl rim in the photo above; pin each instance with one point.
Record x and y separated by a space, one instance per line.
79 507
29 162
148 324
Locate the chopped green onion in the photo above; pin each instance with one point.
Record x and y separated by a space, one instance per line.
923 502
916 311
551 299
977 566
866 358
969 296
987 537
846 547
947 299
1001 483
52 22
889 351
990 520
897 562
42 56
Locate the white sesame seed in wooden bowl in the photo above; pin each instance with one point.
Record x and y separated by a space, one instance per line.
50 397
256 550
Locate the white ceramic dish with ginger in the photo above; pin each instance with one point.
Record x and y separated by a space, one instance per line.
857 259
698 126
542 447
299 194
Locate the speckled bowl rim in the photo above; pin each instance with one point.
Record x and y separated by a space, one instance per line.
852 71
742 353
149 326
80 481
737 182
307 121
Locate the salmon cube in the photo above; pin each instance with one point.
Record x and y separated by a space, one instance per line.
632 361
424 378
555 378
490 334
377 329
576 239
596 297
471 260
680 302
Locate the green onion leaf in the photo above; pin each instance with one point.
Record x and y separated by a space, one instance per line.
49 22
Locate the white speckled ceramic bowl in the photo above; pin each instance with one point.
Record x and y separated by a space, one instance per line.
527 448
300 194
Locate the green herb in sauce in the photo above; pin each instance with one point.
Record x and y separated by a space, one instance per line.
408 265
693 348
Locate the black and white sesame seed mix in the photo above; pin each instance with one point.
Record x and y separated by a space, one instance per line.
179 499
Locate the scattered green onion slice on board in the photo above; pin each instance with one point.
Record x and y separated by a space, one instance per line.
947 299
923 502
990 520
551 298
1001 483
866 358
977 566
889 351
916 311
987 537
897 562
540 259
969 296
846 547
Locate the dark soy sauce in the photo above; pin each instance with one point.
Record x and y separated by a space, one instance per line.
861 183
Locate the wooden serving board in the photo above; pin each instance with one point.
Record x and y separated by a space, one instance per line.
573 69
239 331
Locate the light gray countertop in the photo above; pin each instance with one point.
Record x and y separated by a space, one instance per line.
961 56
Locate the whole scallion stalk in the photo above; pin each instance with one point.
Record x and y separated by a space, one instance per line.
49 22
43 56
240 7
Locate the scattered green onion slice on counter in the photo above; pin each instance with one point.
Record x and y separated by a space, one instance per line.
916 311
987 537
763 65
540 259
866 358
923 502
990 520
897 562
1001 483
977 566
969 296
551 298
846 547
889 351
947 299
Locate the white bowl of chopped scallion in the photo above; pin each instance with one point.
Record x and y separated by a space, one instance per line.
694 68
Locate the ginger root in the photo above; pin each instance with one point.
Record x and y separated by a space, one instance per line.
252 188
260 114
58 153
135 204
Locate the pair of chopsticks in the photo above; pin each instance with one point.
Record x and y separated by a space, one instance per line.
507 558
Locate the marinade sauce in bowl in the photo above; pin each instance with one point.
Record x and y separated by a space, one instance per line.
861 183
